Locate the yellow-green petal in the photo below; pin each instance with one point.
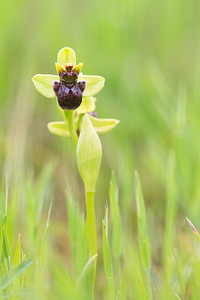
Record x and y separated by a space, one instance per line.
94 84
65 56
103 125
78 68
59 68
87 105
43 84
59 128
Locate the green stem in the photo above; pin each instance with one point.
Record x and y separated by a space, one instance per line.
117 269
91 230
69 116
111 288
149 288
91 223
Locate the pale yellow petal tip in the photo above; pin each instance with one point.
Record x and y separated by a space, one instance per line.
78 68
58 128
59 68
66 49
103 125
34 77
49 125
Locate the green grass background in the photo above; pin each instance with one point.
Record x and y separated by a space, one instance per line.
149 54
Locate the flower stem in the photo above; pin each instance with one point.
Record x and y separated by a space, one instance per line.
91 229
69 116
149 288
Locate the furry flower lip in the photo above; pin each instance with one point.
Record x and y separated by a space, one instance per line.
68 90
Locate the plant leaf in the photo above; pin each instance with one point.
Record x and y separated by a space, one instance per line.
106 248
59 128
87 105
94 84
107 258
88 268
43 84
17 256
142 225
78 238
6 249
14 273
115 211
65 56
103 125
17 293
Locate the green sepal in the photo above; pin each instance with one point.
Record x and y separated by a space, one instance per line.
89 153
87 105
94 84
43 84
103 125
59 128
65 56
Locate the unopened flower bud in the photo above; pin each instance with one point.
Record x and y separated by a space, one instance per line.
89 153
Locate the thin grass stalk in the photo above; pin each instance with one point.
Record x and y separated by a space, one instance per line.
145 252
111 288
169 223
91 230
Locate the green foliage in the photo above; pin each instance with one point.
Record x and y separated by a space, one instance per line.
142 226
143 234
115 210
10 277
107 258
78 236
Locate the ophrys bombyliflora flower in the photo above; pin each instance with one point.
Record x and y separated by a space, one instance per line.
70 85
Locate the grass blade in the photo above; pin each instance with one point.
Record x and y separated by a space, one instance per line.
17 293
143 234
193 229
6 250
13 274
17 256
115 211
88 268
107 258
169 223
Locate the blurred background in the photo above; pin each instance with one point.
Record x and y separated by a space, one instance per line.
149 54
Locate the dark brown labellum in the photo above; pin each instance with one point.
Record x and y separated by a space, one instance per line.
69 91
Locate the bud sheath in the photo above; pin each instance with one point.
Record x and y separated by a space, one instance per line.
89 153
